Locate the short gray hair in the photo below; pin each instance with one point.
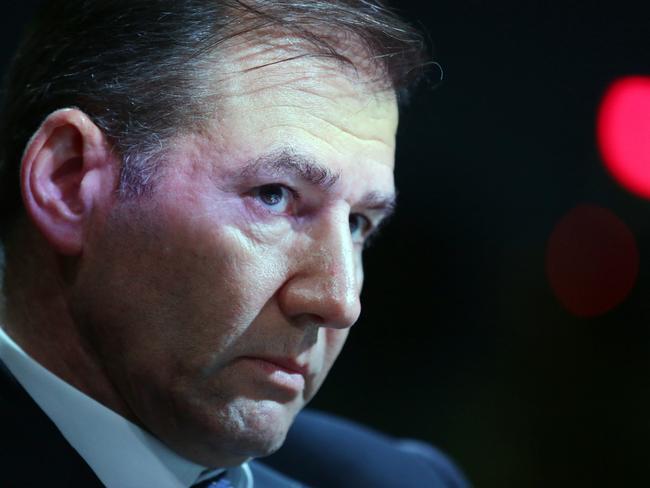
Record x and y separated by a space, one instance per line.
105 56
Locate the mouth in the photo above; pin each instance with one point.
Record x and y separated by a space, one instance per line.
283 373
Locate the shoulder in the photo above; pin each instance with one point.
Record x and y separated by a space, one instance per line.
32 450
266 477
325 450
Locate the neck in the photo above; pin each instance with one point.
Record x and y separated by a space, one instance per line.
38 317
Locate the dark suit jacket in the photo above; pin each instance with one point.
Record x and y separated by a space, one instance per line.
321 451
33 453
324 451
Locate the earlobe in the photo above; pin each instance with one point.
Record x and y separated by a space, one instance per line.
67 168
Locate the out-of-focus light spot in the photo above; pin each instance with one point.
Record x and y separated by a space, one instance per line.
624 133
592 260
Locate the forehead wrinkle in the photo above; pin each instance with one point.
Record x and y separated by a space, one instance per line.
287 161
336 126
310 132
340 128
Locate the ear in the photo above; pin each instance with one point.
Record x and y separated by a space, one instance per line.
67 169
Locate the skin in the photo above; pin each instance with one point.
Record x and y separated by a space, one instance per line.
174 310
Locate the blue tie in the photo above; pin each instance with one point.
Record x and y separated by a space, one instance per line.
218 481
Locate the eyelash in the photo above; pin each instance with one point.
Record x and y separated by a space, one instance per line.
365 226
285 190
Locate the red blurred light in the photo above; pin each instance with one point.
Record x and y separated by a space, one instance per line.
624 133
592 261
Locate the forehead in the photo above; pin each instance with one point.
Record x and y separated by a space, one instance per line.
318 107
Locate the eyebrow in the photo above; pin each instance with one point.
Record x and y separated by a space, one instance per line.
287 162
383 203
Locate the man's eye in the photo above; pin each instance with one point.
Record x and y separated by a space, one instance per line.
275 197
359 225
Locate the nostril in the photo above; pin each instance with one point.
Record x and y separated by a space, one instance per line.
345 311
313 299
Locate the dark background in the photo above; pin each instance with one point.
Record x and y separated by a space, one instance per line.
462 341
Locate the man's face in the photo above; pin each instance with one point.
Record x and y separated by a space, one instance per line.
218 304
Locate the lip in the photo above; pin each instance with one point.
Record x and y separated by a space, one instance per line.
286 373
288 364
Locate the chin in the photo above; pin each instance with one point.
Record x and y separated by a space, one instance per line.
264 424
243 430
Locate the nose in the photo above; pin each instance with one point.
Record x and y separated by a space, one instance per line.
325 283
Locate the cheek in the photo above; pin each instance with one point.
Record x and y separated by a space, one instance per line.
359 271
334 342
184 282
223 282
331 342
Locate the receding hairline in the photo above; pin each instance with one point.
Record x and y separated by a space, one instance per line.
271 45
139 121
249 54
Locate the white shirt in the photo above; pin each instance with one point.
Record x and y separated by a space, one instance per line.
121 454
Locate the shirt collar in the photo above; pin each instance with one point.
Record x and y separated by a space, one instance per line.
119 452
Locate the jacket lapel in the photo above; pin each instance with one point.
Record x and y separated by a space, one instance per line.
32 450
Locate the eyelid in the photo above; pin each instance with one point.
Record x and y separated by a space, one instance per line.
376 229
369 225
290 195
366 227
